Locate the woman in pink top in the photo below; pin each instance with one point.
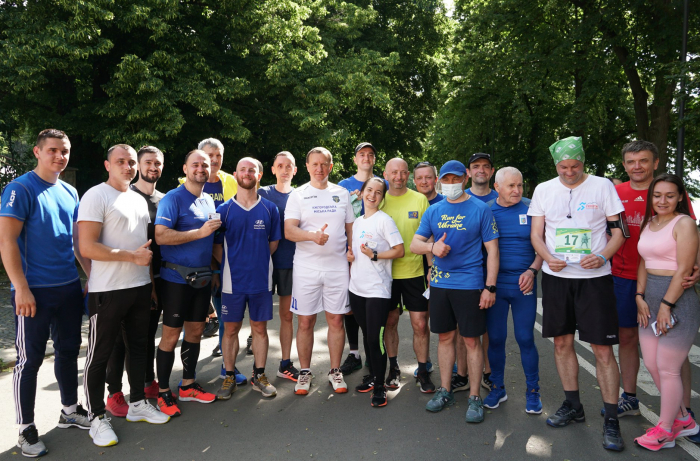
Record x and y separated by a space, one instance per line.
668 245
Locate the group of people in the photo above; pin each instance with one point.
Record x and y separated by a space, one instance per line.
618 265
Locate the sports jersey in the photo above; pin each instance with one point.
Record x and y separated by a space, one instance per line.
152 202
48 212
124 218
372 279
246 234
216 190
514 246
314 208
468 225
588 206
484 198
181 211
406 210
283 258
436 199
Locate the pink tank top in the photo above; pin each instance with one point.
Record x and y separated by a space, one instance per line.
659 248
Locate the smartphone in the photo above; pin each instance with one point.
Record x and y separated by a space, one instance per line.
657 332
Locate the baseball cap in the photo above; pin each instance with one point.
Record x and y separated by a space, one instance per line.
479 155
362 145
453 167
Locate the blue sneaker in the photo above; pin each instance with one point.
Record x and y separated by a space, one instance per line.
475 410
626 406
443 398
428 367
533 403
495 397
693 438
241 380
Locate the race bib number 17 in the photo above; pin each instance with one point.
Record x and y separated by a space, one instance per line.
572 243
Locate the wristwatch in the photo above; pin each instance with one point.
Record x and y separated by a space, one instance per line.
490 288
374 255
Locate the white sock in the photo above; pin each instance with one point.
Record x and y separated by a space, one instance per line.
70 409
356 354
22 427
685 418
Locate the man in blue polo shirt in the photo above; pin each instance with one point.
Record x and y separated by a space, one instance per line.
460 226
37 236
250 233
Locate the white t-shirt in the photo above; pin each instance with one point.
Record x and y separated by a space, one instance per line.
314 208
372 279
124 217
589 205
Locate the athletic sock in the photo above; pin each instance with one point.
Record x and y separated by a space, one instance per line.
164 366
684 418
189 354
70 409
258 371
285 363
352 329
393 362
610 411
355 353
574 398
422 366
630 394
308 370
184 388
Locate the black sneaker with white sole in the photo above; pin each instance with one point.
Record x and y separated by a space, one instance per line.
352 363
460 383
366 385
393 381
566 415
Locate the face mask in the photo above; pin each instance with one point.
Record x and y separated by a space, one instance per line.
452 191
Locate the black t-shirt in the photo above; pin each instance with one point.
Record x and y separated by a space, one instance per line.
152 201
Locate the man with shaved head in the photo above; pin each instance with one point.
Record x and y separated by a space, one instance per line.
406 207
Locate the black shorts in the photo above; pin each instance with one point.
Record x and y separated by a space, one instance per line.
282 282
183 303
408 293
586 305
450 308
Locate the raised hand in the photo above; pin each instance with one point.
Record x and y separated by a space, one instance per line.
209 228
320 237
440 248
142 255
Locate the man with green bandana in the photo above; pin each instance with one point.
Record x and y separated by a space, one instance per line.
570 215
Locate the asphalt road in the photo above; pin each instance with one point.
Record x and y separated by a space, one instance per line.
338 427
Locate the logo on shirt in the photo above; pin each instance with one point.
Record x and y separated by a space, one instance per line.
494 227
259 224
310 196
412 215
366 235
587 206
336 199
639 199
12 199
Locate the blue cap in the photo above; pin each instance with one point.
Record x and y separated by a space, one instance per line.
453 167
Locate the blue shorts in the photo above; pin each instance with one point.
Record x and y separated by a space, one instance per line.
626 302
233 307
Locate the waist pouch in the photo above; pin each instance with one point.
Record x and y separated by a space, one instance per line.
197 277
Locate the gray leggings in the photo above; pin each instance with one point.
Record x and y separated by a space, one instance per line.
687 310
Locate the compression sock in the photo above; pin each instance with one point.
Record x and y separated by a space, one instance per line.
352 329
164 366
189 354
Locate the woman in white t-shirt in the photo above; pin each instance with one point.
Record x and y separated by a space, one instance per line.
376 241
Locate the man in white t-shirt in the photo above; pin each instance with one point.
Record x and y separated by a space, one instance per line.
113 223
570 215
318 217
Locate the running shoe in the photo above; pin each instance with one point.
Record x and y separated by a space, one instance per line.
102 433
351 364
241 379
335 378
30 443
216 352
262 385
565 415
486 381
303 383
656 438
533 403
428 367
612 437
79 418
626 406
195 393
426 385
366 385
685 428
442 398
288 372
144 411
496 397
475 409
249 346
379 397
228 387
151 391
117 405
211 328
460 383
167 404
693 438
393 381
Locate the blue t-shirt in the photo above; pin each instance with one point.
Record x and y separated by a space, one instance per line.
284 256
514 247
438 198
48 212
484 198
216 190
246 235
467 224
181 211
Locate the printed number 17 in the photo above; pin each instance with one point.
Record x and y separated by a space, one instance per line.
575 237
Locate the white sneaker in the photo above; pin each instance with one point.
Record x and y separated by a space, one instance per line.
144 411
102 433
303 384
335 377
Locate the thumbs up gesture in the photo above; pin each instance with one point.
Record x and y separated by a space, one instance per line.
320 237
142 255
350 255
440 248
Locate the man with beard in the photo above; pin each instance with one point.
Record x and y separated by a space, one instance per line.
185 227
250 234
150 163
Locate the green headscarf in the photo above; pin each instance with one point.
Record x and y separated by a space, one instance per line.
568 149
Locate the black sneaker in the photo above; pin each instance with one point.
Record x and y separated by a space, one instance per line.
249 346
565 415
289 372
612 437
216 352
393 381
486 381
211 328
426 385
460 383
379 397
366 385
351 364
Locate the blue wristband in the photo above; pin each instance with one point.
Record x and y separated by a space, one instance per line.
605 261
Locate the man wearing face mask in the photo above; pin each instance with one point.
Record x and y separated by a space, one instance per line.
460 226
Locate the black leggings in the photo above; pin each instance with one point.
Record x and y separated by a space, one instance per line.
371 314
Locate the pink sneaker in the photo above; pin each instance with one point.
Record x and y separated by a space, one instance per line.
117 405
151 390
656 438
685 428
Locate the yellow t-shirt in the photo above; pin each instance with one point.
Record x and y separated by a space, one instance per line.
406 210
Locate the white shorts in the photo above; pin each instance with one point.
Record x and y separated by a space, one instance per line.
318 291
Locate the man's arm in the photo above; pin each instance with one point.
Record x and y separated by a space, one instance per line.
10 228
487 299
273 246
420 245
92 249
538 243
594 261
294 233
348 233
167 236
85 263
